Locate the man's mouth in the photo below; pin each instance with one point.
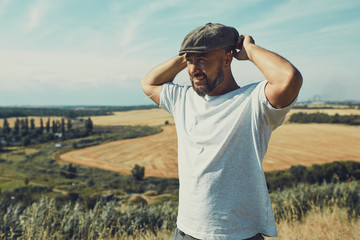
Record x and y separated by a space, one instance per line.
199 78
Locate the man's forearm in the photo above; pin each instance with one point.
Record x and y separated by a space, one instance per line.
163 73
275 68
284 80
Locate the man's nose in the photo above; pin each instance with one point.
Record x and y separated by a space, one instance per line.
192 69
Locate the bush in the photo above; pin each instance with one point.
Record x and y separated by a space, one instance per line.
138 172
68 171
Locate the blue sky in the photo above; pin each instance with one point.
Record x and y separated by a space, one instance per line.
81 52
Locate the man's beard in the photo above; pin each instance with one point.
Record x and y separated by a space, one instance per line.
210 84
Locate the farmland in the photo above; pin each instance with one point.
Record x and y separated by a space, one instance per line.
54 195
291 144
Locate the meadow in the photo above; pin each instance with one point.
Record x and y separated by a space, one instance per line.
88 193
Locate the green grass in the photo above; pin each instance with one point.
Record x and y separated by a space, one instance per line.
41 166
58 218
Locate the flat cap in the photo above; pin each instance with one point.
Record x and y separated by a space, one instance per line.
212 36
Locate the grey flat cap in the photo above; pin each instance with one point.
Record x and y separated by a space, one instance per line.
212 36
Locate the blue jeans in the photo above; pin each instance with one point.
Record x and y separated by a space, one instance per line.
180 235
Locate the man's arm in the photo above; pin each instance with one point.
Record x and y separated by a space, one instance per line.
165 72
284 80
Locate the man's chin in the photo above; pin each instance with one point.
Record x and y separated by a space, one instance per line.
201 91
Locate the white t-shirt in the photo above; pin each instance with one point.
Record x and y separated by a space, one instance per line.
222 141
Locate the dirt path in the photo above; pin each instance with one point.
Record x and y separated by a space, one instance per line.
291 144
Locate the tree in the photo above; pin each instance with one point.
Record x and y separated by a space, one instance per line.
16 129
24 124
6 127
48 125
54 126
27 124
32 124
62 126
138 172
41 129
69 124
88 125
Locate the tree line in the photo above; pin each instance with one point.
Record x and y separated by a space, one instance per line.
319 117
24 132
338 171
67 111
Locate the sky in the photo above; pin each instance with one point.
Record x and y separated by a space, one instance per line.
81 52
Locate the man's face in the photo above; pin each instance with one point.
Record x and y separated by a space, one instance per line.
205 71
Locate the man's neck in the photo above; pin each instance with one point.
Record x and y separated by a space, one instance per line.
227 85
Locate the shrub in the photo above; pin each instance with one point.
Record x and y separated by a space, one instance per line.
68 171
138 172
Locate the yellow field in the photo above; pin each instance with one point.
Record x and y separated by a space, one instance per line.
152 117
158 116
328 111
291 144
306 144
158 153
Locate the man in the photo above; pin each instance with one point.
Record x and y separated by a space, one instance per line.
223 131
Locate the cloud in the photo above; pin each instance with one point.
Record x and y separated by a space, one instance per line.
35 70
3 5
36 13
301 10
128 33
115 43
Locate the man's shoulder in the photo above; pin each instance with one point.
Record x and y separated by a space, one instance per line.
172 85
172 93
174 89
252 86
249 89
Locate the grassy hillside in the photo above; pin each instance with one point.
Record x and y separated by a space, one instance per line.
53 218
42 197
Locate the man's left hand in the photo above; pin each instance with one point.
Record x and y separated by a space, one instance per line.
243 43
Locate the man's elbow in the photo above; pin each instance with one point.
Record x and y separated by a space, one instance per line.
297 79
145 85
294 80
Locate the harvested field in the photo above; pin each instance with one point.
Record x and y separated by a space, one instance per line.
153 117
291 144
306 144
158 153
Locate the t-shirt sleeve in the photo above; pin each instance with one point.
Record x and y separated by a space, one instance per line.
273 116
169 96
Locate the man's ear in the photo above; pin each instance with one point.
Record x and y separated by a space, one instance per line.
228 59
